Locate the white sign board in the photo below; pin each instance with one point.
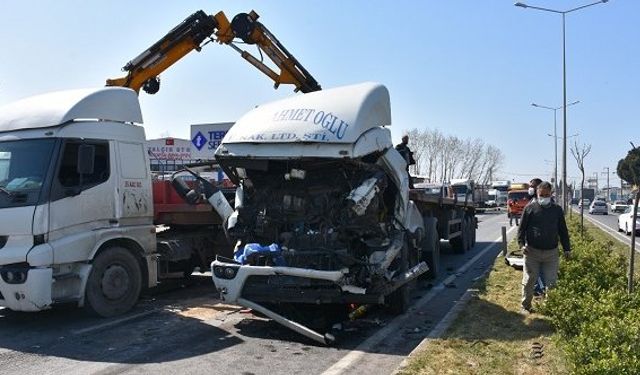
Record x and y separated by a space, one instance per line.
170 149
205 138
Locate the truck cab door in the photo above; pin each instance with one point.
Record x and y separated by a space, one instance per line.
81 203
134 205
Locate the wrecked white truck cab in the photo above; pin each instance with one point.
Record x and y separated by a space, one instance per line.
320 181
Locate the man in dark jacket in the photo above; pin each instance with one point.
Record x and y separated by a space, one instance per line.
541 226
406 153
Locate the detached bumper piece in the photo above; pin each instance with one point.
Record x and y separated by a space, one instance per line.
249 286
326 339
515 259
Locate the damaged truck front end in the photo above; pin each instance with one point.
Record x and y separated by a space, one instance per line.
322 222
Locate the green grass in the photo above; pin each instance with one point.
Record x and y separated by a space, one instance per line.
490 336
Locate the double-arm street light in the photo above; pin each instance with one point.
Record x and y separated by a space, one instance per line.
555 136
564 87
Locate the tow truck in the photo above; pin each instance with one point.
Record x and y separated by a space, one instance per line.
79 213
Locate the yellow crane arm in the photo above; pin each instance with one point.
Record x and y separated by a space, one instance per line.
191 34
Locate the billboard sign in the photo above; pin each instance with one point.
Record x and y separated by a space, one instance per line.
205 139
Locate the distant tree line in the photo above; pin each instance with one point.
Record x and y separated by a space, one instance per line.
443 157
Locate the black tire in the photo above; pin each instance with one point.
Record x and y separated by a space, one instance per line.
467 223
114 284
431 248
399 300
473 231
461 243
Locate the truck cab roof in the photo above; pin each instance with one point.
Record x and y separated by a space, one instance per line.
338 115
115 104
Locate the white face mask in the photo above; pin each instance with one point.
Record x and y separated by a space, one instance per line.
544 200
532 191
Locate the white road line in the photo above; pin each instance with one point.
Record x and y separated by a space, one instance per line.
112 323
617 235
353 356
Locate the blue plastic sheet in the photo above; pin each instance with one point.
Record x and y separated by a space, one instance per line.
242 255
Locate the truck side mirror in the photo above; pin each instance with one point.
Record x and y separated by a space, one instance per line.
86 156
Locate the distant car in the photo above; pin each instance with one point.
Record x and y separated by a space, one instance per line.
619 206
586 202
598 207
625 222
602 199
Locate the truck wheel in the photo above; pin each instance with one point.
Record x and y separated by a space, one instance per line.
469 225
114 284
474 231
460 243
431 247
399 300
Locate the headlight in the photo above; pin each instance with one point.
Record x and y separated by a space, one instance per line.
14 275
225 272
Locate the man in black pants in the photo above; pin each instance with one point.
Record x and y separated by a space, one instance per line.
541 226
406 153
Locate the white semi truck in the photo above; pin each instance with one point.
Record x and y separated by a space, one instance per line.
323 212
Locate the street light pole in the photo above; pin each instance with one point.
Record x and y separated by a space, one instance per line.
564 87
555 136
608 186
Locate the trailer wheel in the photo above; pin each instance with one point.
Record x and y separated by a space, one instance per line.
460 244
474 230
431 247
467 223
114 284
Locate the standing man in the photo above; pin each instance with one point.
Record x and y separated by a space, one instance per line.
533 185
406 153
541 226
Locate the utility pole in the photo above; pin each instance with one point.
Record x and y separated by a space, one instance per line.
608 197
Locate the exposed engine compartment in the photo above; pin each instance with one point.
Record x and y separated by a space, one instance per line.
325 214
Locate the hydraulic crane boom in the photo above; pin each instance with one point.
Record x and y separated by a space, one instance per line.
199 29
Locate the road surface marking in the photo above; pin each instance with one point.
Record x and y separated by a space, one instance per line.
350 358
112 323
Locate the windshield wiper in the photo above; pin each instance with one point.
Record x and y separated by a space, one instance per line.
4 190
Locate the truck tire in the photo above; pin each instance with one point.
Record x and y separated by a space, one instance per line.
469 226
399 300
474 230
114 283
431 247
460 244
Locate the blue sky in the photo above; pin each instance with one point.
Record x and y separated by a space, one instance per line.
470 68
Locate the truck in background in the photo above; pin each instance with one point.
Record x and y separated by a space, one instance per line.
498 192
323 213
464 190
589 193
517 199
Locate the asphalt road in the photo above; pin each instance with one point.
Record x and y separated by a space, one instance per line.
609 223
185 329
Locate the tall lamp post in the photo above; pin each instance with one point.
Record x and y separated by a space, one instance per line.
555 137
564 86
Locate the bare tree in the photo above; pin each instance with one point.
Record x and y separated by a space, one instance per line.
441 158
580 153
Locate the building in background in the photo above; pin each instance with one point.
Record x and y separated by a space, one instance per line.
169 154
